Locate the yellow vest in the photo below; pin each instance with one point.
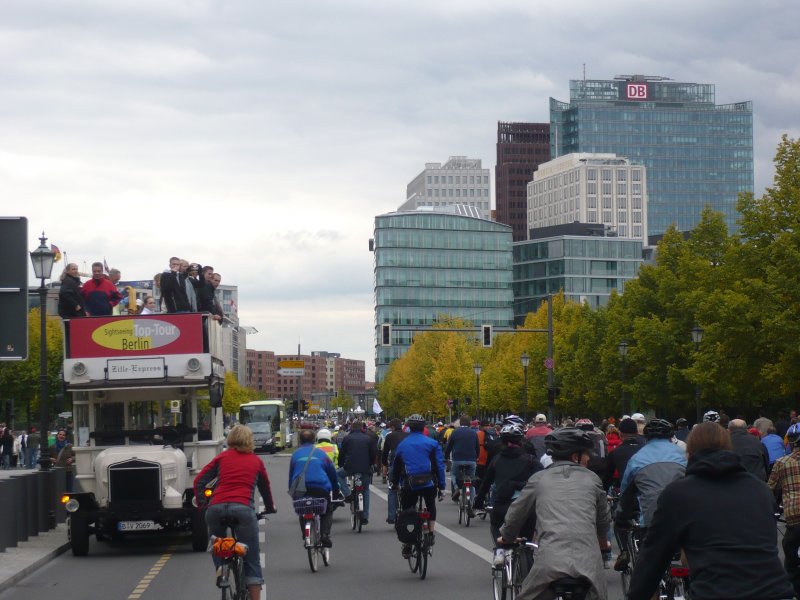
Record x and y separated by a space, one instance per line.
332 450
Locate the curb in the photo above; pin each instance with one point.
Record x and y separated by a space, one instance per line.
36 565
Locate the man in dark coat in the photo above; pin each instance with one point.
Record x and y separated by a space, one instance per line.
70 300
357 455
173 288
619 457
752 453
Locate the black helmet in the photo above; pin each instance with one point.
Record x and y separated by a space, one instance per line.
680 422
658 428
563 442
512 433
416 422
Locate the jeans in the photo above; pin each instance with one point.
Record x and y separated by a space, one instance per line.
32 457
458 465
6 462
246 532
341 476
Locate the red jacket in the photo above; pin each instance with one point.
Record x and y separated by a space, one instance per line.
100 295
240 473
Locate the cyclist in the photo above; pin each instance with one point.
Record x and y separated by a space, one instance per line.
486 439
784 481
711 416
650 470
357 455
509 471
396 436
722 518
464 448
239 473
599 459
536 434
618 459
571 512
418 461
320 480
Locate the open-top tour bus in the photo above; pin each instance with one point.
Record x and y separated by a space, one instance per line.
147 393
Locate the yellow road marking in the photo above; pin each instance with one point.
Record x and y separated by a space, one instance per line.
143 584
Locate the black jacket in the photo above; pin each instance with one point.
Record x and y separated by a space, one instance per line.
390 443
618 460
69 296
358 453
173 292
722 517
510 471
752 453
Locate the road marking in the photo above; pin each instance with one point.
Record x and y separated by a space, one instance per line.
143 584
468 545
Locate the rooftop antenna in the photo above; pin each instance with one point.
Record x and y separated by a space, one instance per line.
584 72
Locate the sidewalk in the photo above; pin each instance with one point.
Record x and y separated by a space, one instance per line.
17 563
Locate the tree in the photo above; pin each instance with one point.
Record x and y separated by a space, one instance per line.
235 394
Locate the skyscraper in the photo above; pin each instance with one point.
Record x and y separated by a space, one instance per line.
460 180
696 152
521 147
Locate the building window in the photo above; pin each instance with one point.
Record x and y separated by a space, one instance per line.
622 203
622 175
591 174
591 188
430 193
637 217
429 179
607 216
458 192
607 189
592 216
486 179
622 189
458 178
606 174
472 192
449 179
623 230
636 203
636 174
622 216
450 192
472 179
637 231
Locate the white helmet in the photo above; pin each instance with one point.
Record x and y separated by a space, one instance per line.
324 435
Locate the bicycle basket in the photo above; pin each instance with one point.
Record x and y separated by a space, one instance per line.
227 547
310 506
408 526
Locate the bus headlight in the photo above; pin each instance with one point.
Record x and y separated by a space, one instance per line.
193 365
79 369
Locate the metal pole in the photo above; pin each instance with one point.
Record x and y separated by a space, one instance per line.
551 396
478 397
44 458
525 402
624 407
697 389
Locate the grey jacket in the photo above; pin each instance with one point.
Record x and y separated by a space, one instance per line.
571 511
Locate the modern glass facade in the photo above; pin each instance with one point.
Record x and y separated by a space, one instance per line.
430 265
696 152
587 269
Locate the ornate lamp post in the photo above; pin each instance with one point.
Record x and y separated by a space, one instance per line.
43 259
623 351
477 369
525 360
697 337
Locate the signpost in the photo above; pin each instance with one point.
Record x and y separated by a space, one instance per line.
291 368
14 288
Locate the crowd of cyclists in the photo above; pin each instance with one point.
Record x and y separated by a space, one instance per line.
707 496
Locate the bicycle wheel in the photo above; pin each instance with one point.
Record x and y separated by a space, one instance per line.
498 589
313 548
354 514
414 557
238 576
423 558
326 556
467 504
359 513
519 571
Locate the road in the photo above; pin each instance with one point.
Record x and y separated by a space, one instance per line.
362 565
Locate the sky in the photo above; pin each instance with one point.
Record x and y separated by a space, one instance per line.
263 137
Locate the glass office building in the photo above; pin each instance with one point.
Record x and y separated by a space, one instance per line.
433 264
575 258
696 152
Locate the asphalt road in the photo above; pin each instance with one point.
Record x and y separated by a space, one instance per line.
362 564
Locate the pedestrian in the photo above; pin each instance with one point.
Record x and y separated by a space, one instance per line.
6 448
99 294
70 300
34 439
65 457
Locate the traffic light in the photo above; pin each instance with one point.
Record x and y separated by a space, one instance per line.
386 334
486 336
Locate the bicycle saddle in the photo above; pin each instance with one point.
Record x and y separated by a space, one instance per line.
571 588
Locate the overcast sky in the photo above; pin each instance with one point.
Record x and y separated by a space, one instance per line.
263 136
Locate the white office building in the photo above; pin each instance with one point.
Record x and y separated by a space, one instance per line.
590 188
460 180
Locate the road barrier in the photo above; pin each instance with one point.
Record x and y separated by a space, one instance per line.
30 504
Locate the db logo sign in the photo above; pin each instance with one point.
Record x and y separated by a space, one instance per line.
637 91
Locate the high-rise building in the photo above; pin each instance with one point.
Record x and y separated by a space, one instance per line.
435 263
696 152
590 188
577 258
521 147
460 180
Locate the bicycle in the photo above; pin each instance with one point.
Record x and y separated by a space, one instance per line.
357 502
230 574
465 512
311 509
633 540
507 579
422 543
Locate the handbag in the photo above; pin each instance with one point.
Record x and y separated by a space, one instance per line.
298 486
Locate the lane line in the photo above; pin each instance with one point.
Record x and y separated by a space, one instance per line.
145 582
459 539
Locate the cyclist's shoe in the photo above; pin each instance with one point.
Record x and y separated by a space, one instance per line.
390 521
622 561
383 480
456 493
471 513
219 576
365 521
326 541
432 539
499 557
406 550
348 498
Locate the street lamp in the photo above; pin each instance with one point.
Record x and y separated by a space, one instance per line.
525 360
623 351
697 337
43 259
477 368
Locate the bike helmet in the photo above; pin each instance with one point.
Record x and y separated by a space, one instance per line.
585 424
680 422
512 433
416 422
562 443
514 420
658 428
711 416
324 435
793 434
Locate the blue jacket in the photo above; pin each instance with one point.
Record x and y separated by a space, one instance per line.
320 475
418 454
649 471
463 445
774 445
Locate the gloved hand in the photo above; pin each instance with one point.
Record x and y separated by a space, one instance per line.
441 495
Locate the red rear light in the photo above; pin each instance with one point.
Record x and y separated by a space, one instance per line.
309 517
425 515
467 484
679 572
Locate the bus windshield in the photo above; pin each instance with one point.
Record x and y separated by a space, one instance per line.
266 411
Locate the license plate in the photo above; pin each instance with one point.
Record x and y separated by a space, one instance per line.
137 525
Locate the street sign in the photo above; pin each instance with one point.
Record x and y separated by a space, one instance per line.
174 406
64 415
548 363
313 408
14 288
291 372
291 364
